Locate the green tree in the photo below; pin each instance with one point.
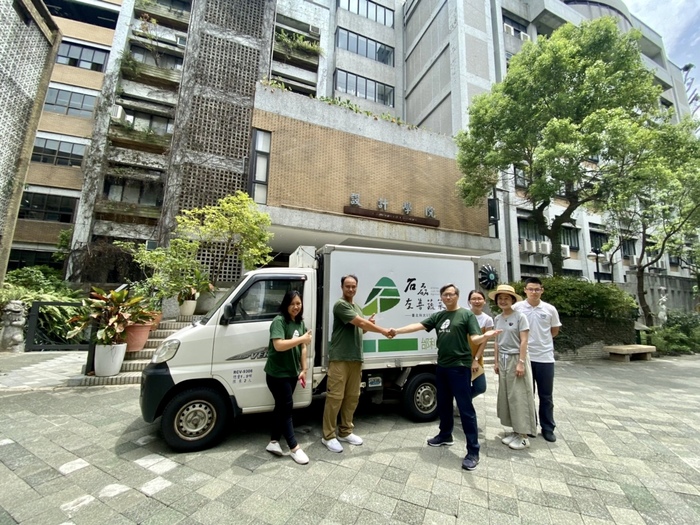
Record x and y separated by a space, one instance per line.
232 227
551 115
659 204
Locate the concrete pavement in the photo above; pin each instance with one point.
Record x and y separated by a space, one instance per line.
628 452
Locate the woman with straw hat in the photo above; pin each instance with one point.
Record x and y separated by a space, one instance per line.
516 402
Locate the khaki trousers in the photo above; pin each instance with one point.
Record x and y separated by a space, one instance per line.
342 396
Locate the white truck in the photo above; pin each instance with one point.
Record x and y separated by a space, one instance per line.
205 374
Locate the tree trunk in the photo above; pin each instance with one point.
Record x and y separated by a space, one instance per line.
642 297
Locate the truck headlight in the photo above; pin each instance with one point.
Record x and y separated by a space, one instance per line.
165 351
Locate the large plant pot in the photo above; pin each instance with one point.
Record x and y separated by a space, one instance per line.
157 318
109 359
136 336
207 301
188 308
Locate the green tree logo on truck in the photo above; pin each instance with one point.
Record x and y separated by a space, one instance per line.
384 296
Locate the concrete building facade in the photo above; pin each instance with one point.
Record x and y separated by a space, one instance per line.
196 100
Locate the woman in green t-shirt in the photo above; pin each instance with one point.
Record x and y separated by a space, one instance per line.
286 364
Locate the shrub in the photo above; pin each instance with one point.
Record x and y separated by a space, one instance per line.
679 335
670 341
575 298
41 283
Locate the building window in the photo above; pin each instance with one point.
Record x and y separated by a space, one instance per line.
521 179
176 5
598 239
629 248
365 47
527 229
69 103
260 165
364 88
84 57
22 258
147 122
513 27
59 153
42 207
369 9
133 191
156 58
569 237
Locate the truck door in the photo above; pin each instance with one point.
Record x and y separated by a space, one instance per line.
240 347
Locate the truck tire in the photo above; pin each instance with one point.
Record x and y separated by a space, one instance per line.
194 420
420 398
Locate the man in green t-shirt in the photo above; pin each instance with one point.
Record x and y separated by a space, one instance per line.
453 372
345 367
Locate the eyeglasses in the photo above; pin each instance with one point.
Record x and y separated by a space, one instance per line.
534 290
449 295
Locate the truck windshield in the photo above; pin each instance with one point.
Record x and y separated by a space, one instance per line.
224 295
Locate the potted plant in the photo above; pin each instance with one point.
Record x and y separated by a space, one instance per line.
192 287
139 327
107 314
151 289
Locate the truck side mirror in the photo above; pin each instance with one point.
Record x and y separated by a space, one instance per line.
227 315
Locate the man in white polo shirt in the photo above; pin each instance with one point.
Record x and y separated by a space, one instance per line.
544 327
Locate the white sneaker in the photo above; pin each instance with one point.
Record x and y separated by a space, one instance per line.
299 456
519 443
273 447
353 439
332 444
510 438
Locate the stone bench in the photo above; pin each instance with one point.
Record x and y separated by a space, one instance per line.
626 353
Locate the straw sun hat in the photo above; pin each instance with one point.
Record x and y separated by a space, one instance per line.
504 289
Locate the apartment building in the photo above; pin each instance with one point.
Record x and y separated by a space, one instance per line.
195 100
28 47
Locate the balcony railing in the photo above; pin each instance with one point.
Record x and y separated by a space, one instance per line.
166 16
124 136
151 75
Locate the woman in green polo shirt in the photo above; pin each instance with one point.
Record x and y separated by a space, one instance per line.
286 365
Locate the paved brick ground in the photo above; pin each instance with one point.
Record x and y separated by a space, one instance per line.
628 453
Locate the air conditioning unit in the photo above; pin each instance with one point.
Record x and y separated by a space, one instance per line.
524 37
565 251
314 31
528 247
509 29
544 247
181 41
118 112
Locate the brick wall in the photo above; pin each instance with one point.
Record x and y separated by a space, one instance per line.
54 176
40 232
65 125
74 76
317 168
86 32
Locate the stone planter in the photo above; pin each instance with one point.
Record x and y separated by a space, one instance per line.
207 301
109 359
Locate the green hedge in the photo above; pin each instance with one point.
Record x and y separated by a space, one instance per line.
589 312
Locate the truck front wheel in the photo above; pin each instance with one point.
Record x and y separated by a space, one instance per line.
420 397
194 420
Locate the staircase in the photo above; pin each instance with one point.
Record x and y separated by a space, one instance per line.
488 353
134 362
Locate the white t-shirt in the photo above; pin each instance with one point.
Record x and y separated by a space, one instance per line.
542 318
485 321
